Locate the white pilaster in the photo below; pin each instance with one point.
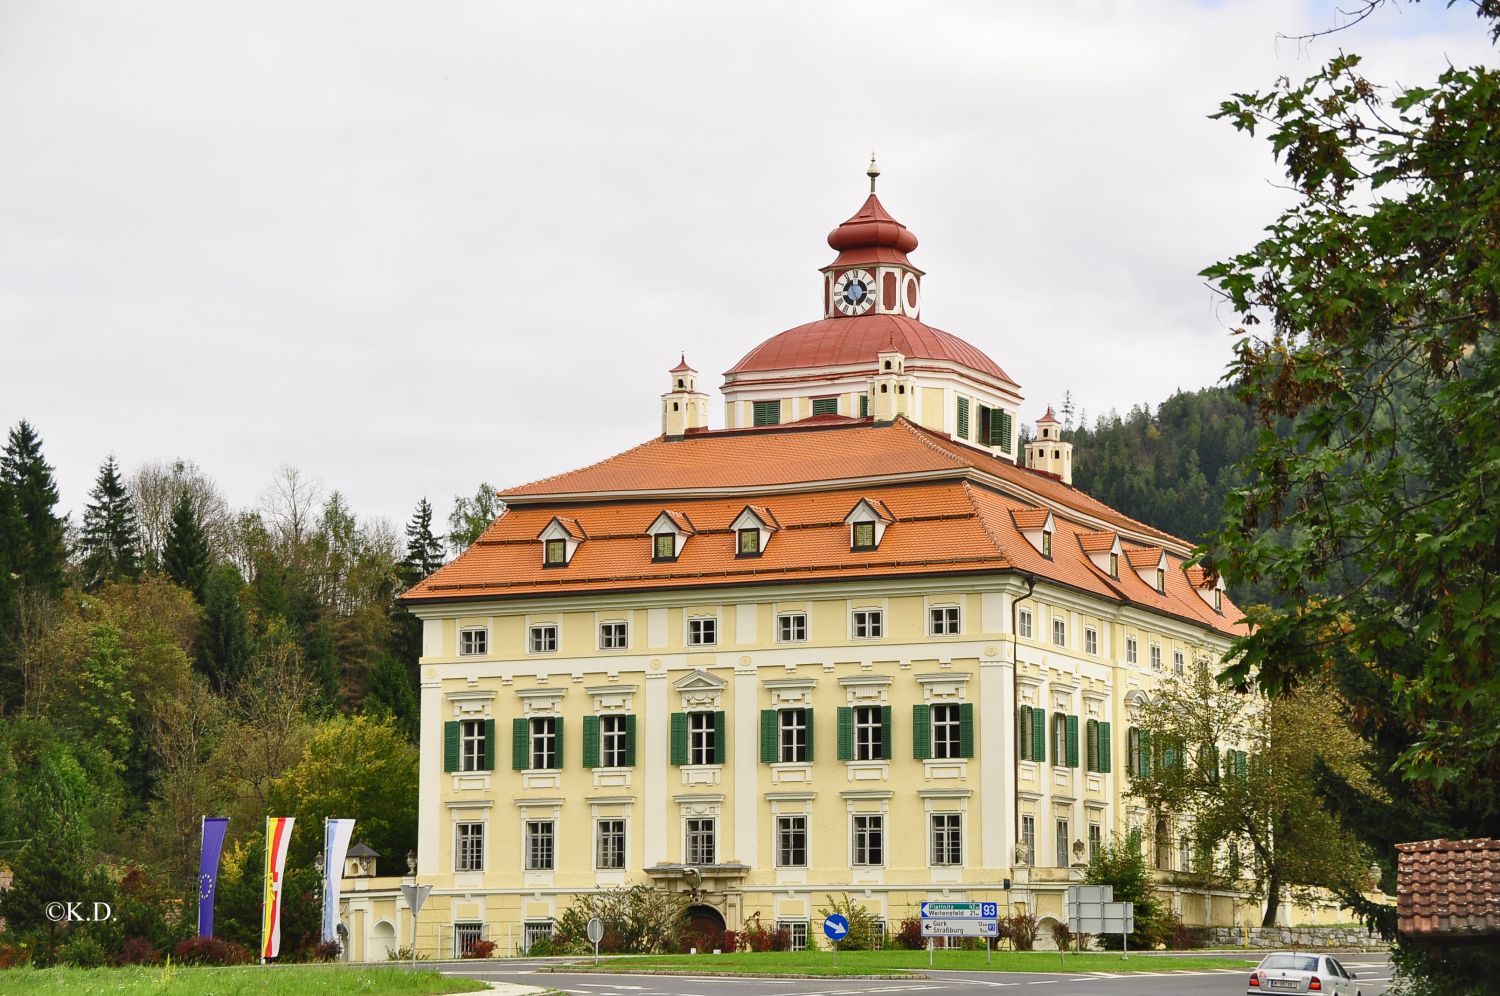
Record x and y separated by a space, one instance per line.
746 794
655 722
429 776
997 718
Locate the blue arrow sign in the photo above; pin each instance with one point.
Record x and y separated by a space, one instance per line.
836 926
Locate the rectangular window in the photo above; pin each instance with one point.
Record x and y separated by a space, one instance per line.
1185 853
703 632
864 406
791 627
1091 640
864 536
796 930
700 841
867 624
1114 565
943 621
1156 657
472 642
543 742
469 845
702 748
1028 835
535 930
791 737
963 418
664 546
542 639
1062 843
825 406
556 553
540 838
1132 653
947 839
1059 632
471 745
791 841
610 850
1178 665
1047 543
612 739
464 937
766 413
1161 580
869 839
945 730
1023 623
869 734
1096 839
749 542
613 636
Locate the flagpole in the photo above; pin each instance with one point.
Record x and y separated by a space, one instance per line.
265 900
323 886
202 839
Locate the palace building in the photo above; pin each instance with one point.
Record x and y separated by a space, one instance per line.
855 641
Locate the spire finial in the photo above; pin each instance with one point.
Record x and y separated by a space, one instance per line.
873 171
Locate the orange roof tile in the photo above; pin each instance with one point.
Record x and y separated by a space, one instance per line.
1448 887
1030 518
682 522
1143 556
1101 541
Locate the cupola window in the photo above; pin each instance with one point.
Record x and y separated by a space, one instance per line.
766 413
963 418
825 406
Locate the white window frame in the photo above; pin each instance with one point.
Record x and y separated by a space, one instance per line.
1091 641
796 932
791 627
696 829
945 843
866 835
1132 651
867 624
1179 662
473 641
702 631
784 827
866 746
539 844
542 638
1059 632
944 620
1028 834
612 741
1156 656
791 736
1023 623
614 634
471 745
1063 834
947 731
541 742
468 846
618 849
703 747
1096 838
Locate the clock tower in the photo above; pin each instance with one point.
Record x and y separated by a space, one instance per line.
871 275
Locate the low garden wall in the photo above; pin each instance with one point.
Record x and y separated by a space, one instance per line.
1291 937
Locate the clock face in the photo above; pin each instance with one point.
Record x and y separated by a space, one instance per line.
854 292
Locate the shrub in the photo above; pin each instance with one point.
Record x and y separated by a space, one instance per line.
863 931
1121 862
733 941
136 951
909 937
1062 935
637 920
755 936
545 947
325 951
481 949
210 951
403 954
82 950
14 955
1022 929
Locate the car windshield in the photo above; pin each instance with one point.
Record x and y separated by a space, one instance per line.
1295 963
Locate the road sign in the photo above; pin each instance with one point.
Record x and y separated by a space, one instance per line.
595 930
836 927
960 927
988 911
416 896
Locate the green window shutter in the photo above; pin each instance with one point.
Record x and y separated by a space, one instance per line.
810 730
450 746
1105 760
1039 735
557 729
1005 428
825 406
846 733
766 412
887 731
1144 764
520 745
1091 745
721 746
630 741
1023 733
591 741
963 418
679 738
966 729
1071 733
489 745
864 406
921 732
768 736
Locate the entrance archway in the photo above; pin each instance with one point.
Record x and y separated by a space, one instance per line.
703 928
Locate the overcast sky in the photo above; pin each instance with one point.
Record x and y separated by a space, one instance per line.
407 247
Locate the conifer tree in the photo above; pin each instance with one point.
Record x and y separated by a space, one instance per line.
424 551
184 559
225 644
391 691
110 542
31 544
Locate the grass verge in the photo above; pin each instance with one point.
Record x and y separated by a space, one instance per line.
245 980
888 962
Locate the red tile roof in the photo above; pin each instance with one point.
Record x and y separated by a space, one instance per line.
1448 887
855 341
1029 519
1138 557
1102 541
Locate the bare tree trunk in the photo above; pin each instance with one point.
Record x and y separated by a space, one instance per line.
1273 900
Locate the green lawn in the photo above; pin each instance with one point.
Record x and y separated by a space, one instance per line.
249 980
883 962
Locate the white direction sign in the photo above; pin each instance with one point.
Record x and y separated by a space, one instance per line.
987 911
960 927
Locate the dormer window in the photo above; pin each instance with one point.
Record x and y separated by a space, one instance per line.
669 533
665 548
1161 580
749 544
560 541
752 530
1114 565
867 522
1047 543
1218 600
1037 526
1150 564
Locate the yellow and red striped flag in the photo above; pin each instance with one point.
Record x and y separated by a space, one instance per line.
278 836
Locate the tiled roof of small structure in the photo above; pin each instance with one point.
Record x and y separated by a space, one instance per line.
1448 888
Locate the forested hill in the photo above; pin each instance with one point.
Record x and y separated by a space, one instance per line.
1171 469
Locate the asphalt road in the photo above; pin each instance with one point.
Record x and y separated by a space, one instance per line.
1373 969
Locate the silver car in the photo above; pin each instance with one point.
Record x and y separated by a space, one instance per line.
1300 972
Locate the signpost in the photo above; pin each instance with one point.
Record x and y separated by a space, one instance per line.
836 927
1092 910
415 895
960 919
596 934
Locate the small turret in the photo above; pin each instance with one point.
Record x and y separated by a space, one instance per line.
684 408
1049 451
891 387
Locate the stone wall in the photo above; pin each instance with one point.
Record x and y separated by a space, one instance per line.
1292 937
